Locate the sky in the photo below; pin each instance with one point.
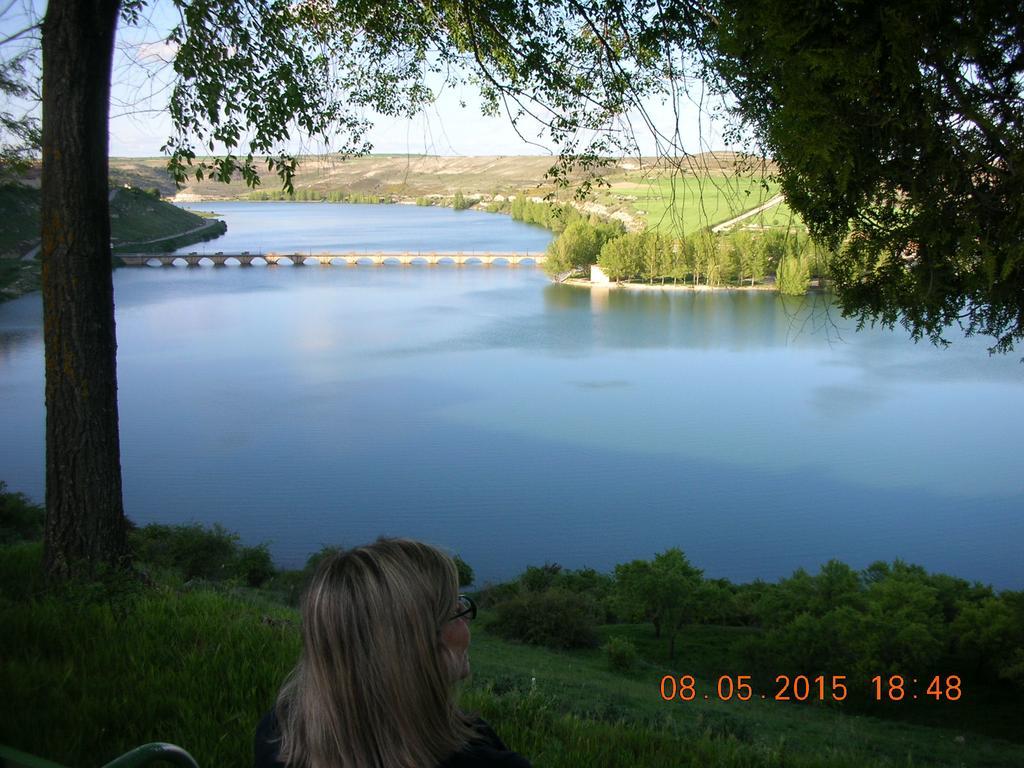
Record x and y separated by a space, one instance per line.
452 125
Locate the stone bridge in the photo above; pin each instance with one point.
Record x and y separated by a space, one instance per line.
349 258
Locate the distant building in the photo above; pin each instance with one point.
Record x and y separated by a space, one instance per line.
597 275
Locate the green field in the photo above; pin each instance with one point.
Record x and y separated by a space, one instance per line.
691 202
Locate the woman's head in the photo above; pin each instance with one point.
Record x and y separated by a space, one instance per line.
375 684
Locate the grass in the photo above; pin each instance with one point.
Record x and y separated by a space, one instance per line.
19 207
96 670
580 686
105 672
135 217
691 202
18 277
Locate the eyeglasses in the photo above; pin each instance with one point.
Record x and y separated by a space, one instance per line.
466 609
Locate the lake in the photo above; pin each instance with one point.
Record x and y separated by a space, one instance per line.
519 422
312 227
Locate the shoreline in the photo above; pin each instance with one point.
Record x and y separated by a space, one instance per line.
579 282
615 285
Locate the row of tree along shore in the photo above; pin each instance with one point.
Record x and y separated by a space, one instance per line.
458 201
740 258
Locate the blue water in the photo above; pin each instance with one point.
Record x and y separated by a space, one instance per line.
312 227
517 422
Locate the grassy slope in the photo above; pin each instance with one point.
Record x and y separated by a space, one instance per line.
134 217
375 174
581 685
106 670
19 210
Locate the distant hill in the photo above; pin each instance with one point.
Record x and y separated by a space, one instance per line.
411 176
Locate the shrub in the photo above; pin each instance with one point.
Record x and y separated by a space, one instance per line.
495 594
794 276
556 618
21 570
20 519
314 560
195 551
254 565
466 574
539 579
621 654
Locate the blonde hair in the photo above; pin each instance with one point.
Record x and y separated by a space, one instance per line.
374 685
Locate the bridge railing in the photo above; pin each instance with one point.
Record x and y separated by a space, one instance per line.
351 258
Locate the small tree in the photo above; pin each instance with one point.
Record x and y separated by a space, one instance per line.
664 591
734 248
758 259
577 247
621 257
705 254
794 276
679 259
466 575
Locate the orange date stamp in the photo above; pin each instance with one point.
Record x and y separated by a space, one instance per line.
811 688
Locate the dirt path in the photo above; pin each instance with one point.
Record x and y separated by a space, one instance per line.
747 214
35 250
201 227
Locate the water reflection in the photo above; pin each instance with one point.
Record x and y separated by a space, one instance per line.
737 320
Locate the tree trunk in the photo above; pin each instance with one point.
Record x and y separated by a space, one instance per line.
85 523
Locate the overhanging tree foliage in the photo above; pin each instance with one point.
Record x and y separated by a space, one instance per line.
901 124
898 130
19 128
19 133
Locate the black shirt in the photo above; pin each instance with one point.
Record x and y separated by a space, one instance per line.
485 751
